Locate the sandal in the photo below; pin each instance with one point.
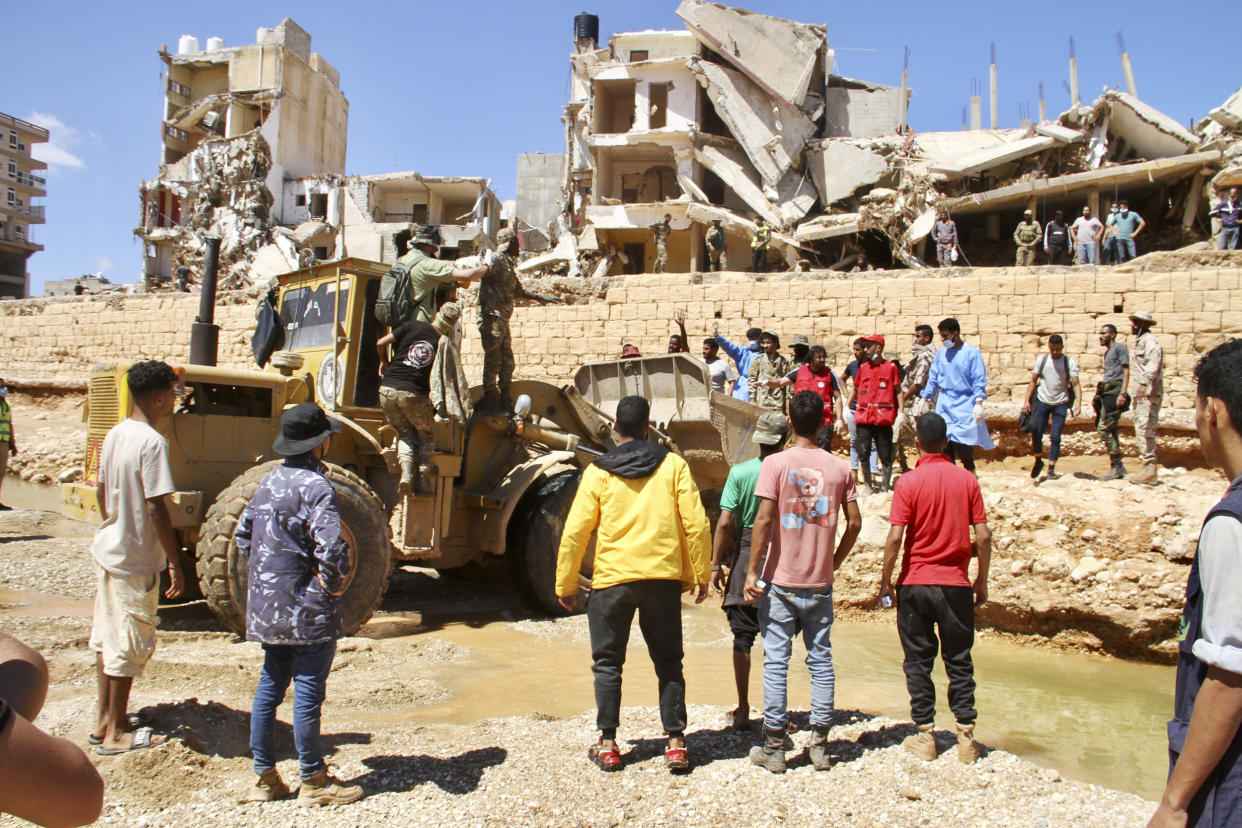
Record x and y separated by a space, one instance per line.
676 760
607 759
132 720
139 740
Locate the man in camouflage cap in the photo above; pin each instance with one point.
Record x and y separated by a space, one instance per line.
496 294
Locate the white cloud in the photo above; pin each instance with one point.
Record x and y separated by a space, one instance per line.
103 264
56 152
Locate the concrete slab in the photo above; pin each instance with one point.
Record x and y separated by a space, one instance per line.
921 226
990 157
1149 131
772 136
840 169
779 55
1064 134
859 109
732 168
827 227
796 196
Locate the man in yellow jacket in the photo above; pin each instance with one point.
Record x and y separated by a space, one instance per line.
652 542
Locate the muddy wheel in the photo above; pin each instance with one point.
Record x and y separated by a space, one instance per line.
223 574
533 538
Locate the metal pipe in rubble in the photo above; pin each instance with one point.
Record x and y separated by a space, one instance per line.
204 334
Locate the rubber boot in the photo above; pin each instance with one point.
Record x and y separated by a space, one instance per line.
886 478
923 743
1117 471
1147 476
968 749
408 475
322 789
771 754
491 401
423 485
268 787
817 748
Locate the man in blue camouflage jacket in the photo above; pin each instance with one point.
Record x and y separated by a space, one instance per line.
290 536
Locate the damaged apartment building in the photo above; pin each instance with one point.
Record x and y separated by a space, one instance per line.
740 116
252 151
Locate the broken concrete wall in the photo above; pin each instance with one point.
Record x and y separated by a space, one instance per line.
540 179
859 109
841 169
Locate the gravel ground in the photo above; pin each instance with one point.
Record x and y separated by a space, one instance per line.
524 770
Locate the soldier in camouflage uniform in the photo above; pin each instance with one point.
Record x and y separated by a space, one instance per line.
290 537
769 365
717 256
661 230
497 291
917 370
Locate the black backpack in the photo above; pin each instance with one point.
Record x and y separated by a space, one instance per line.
396 296
269 334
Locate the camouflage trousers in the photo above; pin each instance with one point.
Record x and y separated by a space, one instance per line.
718 260
497 354
1107 417
1025 256
661 260
413 416
1146 413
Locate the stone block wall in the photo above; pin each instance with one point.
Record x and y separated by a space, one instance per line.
1008 313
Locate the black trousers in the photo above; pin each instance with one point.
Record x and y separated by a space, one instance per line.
1058 255
964 454
921 611
824 437
883 436
759 259
610 614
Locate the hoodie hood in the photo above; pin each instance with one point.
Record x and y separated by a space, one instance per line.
633 460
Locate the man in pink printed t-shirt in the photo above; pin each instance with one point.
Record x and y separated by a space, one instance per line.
801 491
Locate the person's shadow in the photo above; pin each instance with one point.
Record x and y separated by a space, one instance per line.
455 774
215 729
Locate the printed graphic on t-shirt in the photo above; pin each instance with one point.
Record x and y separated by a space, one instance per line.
810 505
420 355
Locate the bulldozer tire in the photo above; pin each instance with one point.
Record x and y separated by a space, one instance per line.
223 574
534 535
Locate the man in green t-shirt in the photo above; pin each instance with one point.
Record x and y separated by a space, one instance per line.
430 278
738 506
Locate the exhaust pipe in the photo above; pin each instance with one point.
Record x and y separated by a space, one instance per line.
204 334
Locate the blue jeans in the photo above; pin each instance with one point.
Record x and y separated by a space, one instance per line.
1044 412
1124 250
1088 253
1228 238
307 667
875 454
781 610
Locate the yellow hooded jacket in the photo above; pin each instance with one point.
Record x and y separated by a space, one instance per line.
642 503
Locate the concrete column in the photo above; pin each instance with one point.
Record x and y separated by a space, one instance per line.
1191 209
696 247
993 226
1093 201
1032 204
976 112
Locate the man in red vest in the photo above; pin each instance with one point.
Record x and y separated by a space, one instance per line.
818 377
879 399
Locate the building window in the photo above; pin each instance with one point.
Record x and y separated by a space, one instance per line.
319 205
12 169
12 196
300 200
637 55
418 213
13 140
179 88
20 229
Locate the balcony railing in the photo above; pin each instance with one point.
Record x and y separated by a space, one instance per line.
36 210
31 180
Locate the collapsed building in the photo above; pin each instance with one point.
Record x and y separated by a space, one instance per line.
741 116
253 152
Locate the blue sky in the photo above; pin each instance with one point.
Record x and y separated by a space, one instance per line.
462 88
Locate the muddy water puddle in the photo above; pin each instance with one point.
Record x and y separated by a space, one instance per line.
1096 719
14 603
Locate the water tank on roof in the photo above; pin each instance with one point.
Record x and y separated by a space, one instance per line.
586 27
187 44
215 44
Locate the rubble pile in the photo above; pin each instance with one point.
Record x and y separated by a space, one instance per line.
767 130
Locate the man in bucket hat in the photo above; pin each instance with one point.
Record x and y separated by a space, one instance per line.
290 537
1147 381
432 280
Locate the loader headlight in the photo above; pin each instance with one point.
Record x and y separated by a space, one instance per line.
331 373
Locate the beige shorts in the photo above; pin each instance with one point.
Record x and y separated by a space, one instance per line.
123 631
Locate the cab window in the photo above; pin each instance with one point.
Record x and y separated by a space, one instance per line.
307 314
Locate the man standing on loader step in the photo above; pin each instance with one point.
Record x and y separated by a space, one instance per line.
405 394
497 291
652 542
429 277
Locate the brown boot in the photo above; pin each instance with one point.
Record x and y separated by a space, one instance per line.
269 787
1147 476
923 743
322 789
771 754
968 749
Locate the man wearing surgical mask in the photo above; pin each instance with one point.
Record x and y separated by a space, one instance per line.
7 444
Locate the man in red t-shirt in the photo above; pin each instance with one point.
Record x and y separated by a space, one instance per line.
878 399
801 489
935 506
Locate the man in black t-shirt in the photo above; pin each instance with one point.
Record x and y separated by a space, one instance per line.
405 393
